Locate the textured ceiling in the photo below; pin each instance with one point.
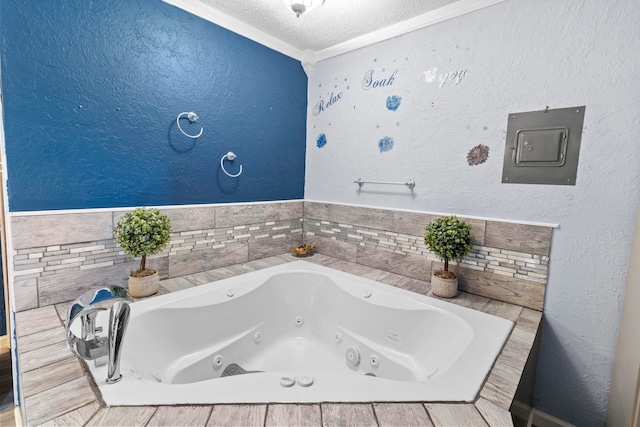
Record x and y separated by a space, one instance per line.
334 23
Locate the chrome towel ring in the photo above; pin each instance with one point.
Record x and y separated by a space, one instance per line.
229 156
192 118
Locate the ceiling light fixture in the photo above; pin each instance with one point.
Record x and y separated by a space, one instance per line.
301 6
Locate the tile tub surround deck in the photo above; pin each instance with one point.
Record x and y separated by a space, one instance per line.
57 390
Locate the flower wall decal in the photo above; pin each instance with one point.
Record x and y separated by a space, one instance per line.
478 155
385 144
393 102
321 141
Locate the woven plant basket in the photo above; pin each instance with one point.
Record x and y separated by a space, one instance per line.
445 288
144 286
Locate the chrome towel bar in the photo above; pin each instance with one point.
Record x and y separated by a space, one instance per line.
411 183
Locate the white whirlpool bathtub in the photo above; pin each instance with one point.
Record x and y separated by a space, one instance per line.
300 332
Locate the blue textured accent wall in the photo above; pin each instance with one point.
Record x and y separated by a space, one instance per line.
91 94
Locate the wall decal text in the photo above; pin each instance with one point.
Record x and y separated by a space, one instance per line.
432 75
369 82
323 105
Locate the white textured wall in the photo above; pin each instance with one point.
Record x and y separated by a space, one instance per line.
520 55
626 367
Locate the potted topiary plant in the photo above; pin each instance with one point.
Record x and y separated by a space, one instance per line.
139 233
448 238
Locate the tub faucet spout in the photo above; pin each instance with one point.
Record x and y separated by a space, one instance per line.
87 344
118 321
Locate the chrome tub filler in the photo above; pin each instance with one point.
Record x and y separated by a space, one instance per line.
300 332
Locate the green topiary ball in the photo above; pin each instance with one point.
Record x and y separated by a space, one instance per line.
448 238
143 232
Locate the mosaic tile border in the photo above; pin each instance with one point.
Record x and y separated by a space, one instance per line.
503 262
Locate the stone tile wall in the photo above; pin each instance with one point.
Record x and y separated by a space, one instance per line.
508 261
56 257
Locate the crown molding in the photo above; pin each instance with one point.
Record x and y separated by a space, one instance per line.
444 13
210 14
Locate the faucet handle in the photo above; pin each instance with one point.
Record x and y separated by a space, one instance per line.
86 344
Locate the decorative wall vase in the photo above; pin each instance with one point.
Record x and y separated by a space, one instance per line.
144 286
445 288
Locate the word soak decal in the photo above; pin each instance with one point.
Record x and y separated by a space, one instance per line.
324 103
370 81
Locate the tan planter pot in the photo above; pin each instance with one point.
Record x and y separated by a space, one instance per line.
445 288
144 286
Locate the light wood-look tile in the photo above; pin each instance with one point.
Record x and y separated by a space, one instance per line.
508 289
185 416
208 276
494 415
42 339
44 356
503 309
237 415
58 400
263 248
529 320
317 211
241 268
122 416
77 417
402 414
348 414
380 219
406 265
516 350
259 264
376 274
231 215
337 248
61 309
411 223
65 286
518 237
408 283
25 294
50 376
500 388
188 219
273 260
293 415
452 415
36 320
475 302
176 284
47 230
183 263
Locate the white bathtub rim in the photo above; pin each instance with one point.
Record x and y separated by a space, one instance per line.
146 392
